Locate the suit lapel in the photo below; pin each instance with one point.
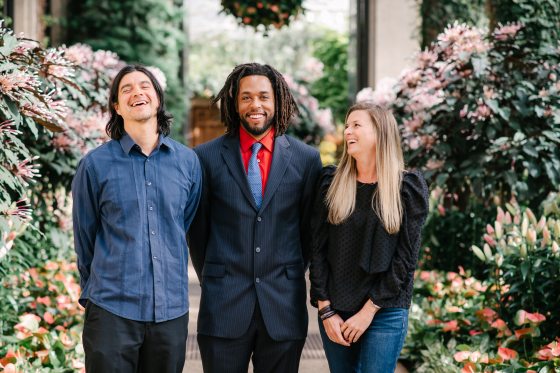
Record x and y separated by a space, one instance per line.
280 161
232 158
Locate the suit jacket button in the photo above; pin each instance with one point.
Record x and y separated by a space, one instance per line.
257 280
259 218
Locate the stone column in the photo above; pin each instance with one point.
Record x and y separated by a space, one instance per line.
27 18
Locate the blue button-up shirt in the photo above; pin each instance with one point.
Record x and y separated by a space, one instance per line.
131 213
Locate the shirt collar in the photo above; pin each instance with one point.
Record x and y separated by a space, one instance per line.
127 143
246 140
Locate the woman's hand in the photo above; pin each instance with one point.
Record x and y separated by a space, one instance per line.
356 325
332 327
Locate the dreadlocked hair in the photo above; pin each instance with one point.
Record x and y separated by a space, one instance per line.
285 105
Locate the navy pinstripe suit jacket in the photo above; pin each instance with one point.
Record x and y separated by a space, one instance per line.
244 255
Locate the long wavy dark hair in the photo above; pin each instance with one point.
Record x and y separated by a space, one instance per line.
115 126
284 103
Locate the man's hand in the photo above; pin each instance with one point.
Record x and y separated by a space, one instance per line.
355 326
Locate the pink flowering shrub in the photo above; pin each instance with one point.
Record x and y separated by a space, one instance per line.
507 322
480 114
46 332
312 122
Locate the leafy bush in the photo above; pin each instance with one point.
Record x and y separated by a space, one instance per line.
523 259
481 115
45 331
507 322
331 89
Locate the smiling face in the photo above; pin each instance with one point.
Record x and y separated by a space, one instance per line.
360 135
255 105
137 98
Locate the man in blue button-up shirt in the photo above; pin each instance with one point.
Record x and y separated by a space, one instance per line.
134 200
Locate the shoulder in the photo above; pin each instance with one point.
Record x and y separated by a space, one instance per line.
181 149
210 146
326 177
98 154
415 189
299 146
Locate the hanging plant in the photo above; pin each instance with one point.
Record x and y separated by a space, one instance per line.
267 13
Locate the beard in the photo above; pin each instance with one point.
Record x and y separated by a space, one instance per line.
256 131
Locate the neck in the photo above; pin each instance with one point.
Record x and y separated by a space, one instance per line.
144 135
366 169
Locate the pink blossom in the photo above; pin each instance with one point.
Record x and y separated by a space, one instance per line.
159 75
313 69
325 120
426 58
80 54
504 32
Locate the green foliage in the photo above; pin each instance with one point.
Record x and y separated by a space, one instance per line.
449 229
331 89
435 15
139 31
256 13
541 19
523 263
481 116
41 324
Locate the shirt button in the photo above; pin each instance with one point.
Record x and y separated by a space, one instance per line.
153 232
259 218
155 257
258 249
257 280
151 208
258 160
149 182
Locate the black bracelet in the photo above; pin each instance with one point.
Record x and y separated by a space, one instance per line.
327 315
325 309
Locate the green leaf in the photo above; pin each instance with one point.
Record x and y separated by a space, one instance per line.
530 150
525 269
10 43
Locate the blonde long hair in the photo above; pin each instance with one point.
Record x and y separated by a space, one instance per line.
386 201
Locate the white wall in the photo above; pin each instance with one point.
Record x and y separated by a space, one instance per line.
392 37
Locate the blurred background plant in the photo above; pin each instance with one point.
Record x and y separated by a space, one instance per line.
265 13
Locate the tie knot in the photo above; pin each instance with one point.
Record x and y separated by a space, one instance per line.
256 147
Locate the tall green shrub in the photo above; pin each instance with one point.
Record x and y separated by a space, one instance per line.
332 88
139 31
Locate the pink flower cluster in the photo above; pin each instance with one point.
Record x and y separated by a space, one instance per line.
321 117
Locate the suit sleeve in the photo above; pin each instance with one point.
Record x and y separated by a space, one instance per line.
85 217
307 201
200 227
401 270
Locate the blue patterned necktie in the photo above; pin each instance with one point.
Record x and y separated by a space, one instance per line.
254 175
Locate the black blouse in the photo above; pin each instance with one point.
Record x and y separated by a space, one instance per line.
358 259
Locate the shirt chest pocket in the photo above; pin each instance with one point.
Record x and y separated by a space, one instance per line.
119 198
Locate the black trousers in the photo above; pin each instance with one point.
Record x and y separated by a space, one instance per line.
220 355
115 344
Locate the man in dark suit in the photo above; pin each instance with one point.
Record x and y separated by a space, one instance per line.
250 239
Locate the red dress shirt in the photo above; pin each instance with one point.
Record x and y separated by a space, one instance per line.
264 157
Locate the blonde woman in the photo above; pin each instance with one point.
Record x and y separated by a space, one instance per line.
370 213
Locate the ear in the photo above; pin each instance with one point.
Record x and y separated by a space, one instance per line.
116 107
